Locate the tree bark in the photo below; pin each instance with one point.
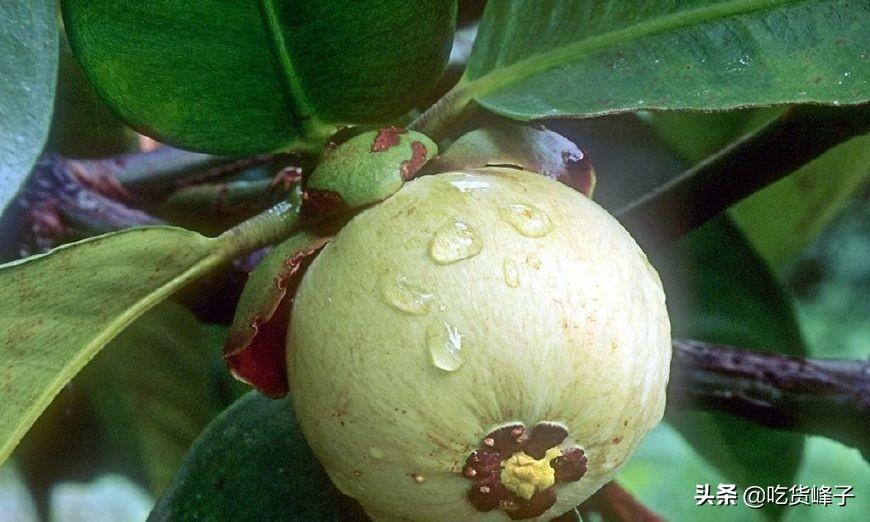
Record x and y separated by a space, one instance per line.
829 397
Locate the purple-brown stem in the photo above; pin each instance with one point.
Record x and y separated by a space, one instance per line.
829 397
615 504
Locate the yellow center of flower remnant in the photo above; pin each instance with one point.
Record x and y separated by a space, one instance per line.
525 475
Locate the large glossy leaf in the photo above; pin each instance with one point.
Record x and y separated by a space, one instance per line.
154 388
719 290
59 309
548 58
28 67
241 77
251 463
82 126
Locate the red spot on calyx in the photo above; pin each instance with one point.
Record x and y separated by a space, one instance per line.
262 362
321 203
484 466
386 138
256 354
419 155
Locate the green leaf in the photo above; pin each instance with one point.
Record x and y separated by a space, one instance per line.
243 77
671 493
697 135
251 463
832 282
154 388
28 67
549 58
719 290
82 126
672 496
783 218
60 308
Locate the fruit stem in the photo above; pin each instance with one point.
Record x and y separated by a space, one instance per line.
264 229
453 108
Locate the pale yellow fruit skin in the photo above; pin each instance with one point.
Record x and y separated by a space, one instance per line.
583 340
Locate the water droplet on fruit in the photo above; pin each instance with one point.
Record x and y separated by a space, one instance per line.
533 261
527 220
454 242
445 346
376 453
405 297
511 273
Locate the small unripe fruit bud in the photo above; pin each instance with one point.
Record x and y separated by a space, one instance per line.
482 345
366 169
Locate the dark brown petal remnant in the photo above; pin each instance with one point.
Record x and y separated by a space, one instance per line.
544 436
486 494
534 507
570 466
484 467
317 203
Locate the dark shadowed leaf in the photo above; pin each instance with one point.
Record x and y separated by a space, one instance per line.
155 389
28 67
550 58
242 77
696 135
719 290
60 308
251 463
786 216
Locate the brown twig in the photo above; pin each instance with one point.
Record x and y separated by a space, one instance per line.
63 203
615 504
829 397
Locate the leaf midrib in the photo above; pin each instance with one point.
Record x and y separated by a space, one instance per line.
537 63
301 109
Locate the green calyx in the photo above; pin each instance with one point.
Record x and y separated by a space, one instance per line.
370 167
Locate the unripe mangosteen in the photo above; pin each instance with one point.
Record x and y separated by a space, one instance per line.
483 345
